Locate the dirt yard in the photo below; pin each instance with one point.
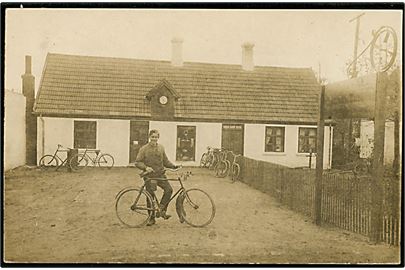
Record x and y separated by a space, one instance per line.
64 217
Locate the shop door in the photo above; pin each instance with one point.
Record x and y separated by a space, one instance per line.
137 138
232 138
185 143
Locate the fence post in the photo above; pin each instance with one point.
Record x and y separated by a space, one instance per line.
319 159
378 158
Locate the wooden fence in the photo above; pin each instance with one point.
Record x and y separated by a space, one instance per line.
346 199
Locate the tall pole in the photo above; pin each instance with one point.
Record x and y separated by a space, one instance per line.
319 158
378 158
356 42
353 74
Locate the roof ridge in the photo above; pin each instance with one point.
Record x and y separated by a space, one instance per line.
185 62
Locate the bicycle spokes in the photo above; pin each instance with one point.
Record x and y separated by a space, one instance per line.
198 208
133 207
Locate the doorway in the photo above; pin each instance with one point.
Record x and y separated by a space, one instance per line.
232 137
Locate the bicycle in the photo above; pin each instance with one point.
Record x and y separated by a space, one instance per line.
81 160
215 154
52 161
235 168
206 158
210 158
222 167
135 206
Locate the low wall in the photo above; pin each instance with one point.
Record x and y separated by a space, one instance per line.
14 126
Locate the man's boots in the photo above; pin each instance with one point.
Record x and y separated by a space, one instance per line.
151 221
163 212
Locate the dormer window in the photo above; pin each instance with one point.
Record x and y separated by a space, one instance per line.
162 99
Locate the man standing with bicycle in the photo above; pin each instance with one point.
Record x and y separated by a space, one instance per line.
152 159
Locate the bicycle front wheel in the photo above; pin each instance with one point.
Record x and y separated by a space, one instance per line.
203 160
235 172
106 161
78 162
133 208
48 162
198 208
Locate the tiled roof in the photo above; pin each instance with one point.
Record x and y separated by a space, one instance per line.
84 85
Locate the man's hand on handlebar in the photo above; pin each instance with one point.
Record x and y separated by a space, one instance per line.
149 170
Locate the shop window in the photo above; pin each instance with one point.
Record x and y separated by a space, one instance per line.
185 143
85 134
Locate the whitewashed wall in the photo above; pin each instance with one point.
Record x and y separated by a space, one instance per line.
112 136
255 139
367 140
207 134
14 126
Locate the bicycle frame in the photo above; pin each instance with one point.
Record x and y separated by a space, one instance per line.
153 196
93 160
55 155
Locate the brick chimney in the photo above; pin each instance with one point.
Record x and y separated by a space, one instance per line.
247 56
28 89
177 52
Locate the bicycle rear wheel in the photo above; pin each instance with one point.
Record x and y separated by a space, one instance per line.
78 162
106 161
198 208
48 162
133 208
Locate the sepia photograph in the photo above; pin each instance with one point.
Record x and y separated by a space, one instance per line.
202 134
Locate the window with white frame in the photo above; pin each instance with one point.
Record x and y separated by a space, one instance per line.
274 141
307 140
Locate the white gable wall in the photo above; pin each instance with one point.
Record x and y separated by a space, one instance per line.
366 141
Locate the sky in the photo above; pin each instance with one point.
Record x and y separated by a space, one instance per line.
318 39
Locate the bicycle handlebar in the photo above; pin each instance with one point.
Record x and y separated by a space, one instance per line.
145 173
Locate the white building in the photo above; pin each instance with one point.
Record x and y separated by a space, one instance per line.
265 113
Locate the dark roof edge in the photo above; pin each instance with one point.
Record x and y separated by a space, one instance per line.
177 119
41 81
